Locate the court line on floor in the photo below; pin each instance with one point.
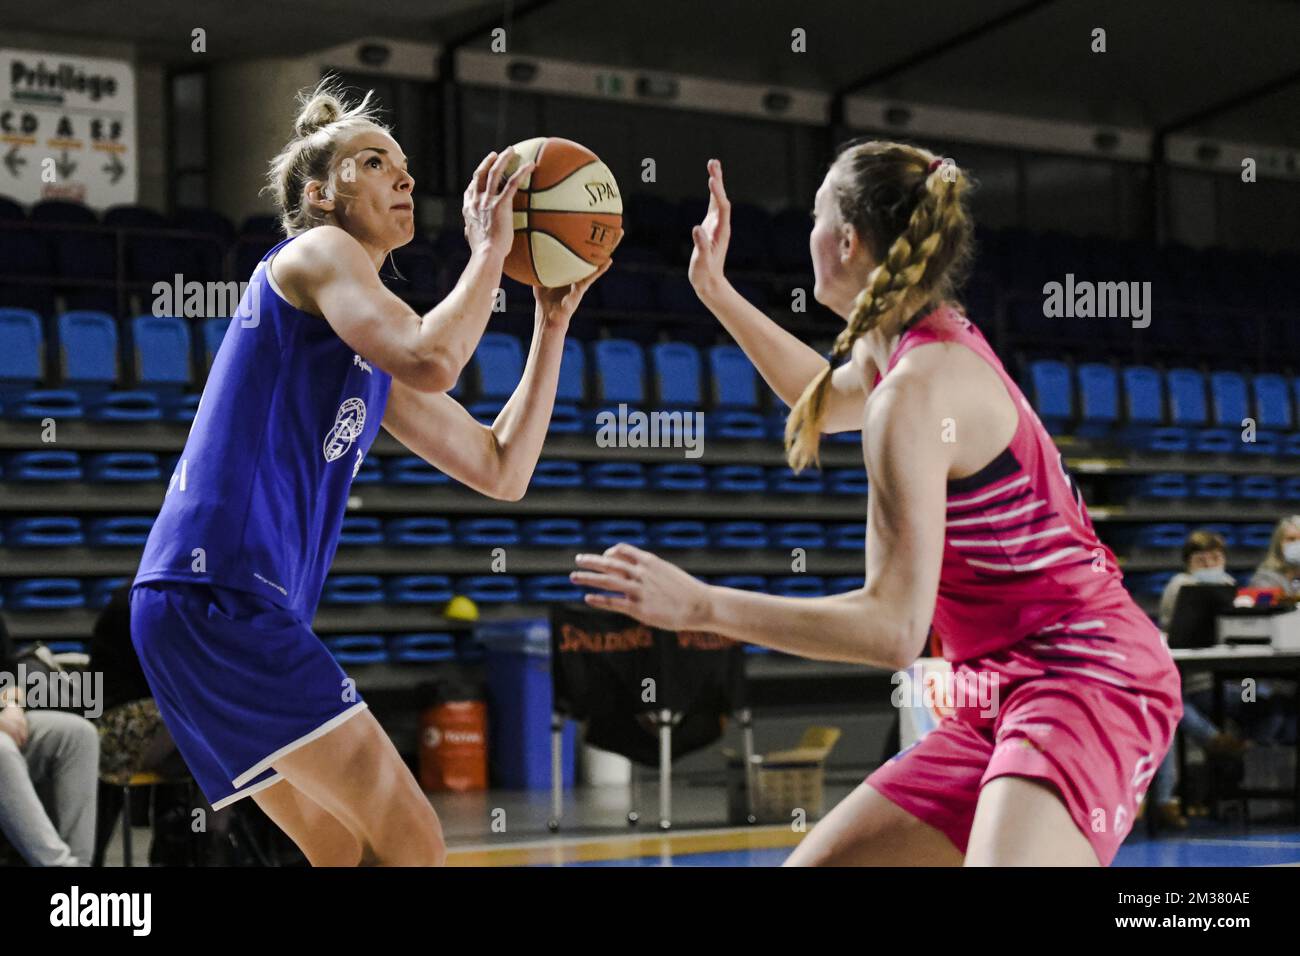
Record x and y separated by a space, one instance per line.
623 846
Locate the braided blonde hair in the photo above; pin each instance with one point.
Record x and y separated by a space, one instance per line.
324 120
908 208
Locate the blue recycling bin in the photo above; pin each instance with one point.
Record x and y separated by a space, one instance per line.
517 657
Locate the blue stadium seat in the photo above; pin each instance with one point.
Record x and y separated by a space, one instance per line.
570 391
412 470
424 648
44 594
1144 400
797 534
738 535
1098 400
1161 536
1257 488
1169 486
88 362
734 383
22 349
620 372
739 479
676 295
121 532
353 589
606 534
1226 531
123 466
487 532
743 582
679 476
498 363
490 588
848 536
352 649
616 474
1216 487
543 588
357 530
1290 490
556 473
1255 537
1273 402
1052 394
676 370
162 361
44 532
43 466
1188 409
798 585
553 533
678 534
419 589
1230 400
784 480
844 584
418 532
846 481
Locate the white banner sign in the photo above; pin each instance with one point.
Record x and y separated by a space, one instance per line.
67 128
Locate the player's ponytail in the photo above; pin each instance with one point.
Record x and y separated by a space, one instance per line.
324 119
907 206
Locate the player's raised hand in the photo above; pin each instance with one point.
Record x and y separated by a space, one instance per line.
488 206
711 237
644 586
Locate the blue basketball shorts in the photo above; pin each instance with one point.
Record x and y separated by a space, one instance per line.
240 682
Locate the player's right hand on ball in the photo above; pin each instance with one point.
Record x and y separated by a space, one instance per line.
711 237
488 207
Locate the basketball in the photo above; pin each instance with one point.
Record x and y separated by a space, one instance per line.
568 213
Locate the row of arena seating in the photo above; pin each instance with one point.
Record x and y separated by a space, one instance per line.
134 466
1173 486
1178 410
65 531
84 358
657 230
60 593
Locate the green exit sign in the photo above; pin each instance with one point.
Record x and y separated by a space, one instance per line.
609 83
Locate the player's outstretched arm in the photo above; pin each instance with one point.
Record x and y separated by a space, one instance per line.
884 623
786 363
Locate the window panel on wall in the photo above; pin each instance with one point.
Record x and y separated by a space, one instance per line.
189 139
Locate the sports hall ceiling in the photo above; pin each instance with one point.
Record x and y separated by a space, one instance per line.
1223 68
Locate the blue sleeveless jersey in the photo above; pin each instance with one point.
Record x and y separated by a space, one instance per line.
257 498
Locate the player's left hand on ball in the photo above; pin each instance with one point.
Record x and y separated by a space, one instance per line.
558 305
644 586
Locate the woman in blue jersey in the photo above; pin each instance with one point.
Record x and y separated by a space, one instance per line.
318 356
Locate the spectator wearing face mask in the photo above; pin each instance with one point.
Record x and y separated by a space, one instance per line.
1205 559
1281 566
1280 569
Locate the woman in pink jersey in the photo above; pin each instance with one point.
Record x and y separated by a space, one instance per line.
973 526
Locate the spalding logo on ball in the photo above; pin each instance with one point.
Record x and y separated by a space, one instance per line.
568 213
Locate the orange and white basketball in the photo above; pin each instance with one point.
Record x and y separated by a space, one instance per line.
568 213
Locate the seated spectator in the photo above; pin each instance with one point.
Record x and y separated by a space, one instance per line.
1281 566
1205 559
48 764
1275 719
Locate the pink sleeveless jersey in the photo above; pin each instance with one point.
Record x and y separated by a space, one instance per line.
1020 555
